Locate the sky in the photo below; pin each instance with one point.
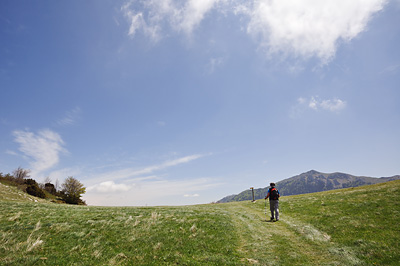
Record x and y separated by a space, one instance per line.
167 102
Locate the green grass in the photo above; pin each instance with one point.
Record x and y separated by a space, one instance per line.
365 219
343 227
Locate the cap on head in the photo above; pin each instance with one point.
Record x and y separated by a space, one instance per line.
272 184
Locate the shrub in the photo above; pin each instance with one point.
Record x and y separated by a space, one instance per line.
34 190
49 187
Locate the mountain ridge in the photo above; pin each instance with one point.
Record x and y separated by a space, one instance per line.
309 182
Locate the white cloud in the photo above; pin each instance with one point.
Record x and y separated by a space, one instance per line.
315 103
302 29
42 149
137 22
308 28
193 13
333 105
109 186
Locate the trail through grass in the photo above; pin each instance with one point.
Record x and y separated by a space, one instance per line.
287 242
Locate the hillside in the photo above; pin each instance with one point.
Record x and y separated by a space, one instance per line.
353 226
309 182
11 193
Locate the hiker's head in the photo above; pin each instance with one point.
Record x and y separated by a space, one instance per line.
272 184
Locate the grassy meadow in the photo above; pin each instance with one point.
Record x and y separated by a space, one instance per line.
358 226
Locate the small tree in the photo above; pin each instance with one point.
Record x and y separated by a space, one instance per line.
20 174
72 191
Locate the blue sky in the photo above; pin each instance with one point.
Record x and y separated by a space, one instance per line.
166 102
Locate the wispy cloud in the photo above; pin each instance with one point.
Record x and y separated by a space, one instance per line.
301 29
11 153
391 70
70 117
129 173
42 149
153 15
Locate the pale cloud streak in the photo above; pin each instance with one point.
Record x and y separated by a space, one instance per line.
130 173
391 70
41 149
70 117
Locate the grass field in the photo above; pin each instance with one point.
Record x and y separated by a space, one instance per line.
357 226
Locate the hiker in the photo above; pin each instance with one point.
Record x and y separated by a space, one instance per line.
273 195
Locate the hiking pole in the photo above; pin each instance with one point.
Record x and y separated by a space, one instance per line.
265 210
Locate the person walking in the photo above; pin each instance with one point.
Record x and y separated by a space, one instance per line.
273 195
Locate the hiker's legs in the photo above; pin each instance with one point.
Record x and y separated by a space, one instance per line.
277 209
272 208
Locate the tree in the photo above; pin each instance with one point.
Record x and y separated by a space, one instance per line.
20 174
47 180
72 191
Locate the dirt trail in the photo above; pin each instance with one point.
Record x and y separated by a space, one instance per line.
287 242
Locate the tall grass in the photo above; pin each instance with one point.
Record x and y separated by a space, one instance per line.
73 235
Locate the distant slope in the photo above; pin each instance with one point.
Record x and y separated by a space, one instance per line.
309 182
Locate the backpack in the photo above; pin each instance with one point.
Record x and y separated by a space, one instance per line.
273 194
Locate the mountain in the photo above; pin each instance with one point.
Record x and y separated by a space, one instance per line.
309 182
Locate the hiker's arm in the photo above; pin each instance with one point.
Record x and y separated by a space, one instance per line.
267 196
